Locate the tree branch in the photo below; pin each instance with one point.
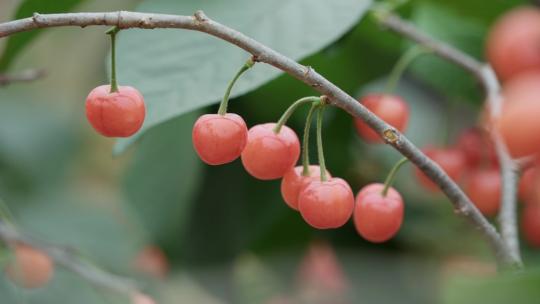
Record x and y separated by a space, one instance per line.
486 76
262 53
24 76
68 259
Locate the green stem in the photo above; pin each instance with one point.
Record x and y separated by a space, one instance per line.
320 151
305 141
392 175
112 32
401 65
283 119
225 101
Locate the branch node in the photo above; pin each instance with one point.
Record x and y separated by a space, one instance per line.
35 18
391 136
200 16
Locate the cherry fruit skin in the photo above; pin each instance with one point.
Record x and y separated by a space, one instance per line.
31 268
529 179
390 108
116 114
513 44
268 155
519 126
326 204
152 262
530 224
377 218
476 148
451 160
219 139
293 182
483 186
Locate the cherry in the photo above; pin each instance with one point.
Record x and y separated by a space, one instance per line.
378 217
518 125
31 268
293 182
269 155
484 189
530 224
219 139
152 261
390 108
522 87
476 148
321 270
527 184
326 204
141 298
115 114
513 44
451 160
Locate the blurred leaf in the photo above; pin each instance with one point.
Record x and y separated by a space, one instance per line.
254 282
178 71
16 43
520 288
163 178
462 33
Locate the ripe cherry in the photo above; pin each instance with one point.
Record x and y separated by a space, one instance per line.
152 261
530 224
219 139
513 45
326 204
31 268
390 108
529 178
378 217
293 182
269 155
476 147
115 114
483 186
321 270
522 87
451 160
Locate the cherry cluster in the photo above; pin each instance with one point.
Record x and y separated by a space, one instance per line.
270 151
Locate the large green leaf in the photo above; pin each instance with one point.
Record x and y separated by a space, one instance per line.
16 43
163 177
178 71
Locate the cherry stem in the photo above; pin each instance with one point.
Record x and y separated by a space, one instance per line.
225 101
305 141
112 32
392 175
290 110
320 151
401 65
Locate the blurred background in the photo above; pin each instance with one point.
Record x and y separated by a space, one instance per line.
193 233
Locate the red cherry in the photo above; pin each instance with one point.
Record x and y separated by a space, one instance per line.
377 218
293 182
30 268
513 45
327 204
476 148
390 108
452 161
116 114
530 224
519 126
219 139
321 270
484 189
268 155
523 87
527 184
152 262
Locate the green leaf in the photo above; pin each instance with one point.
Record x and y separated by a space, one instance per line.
462 33
178 71
163 177
16 43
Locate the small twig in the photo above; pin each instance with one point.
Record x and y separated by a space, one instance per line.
69 259
335 95
24 76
